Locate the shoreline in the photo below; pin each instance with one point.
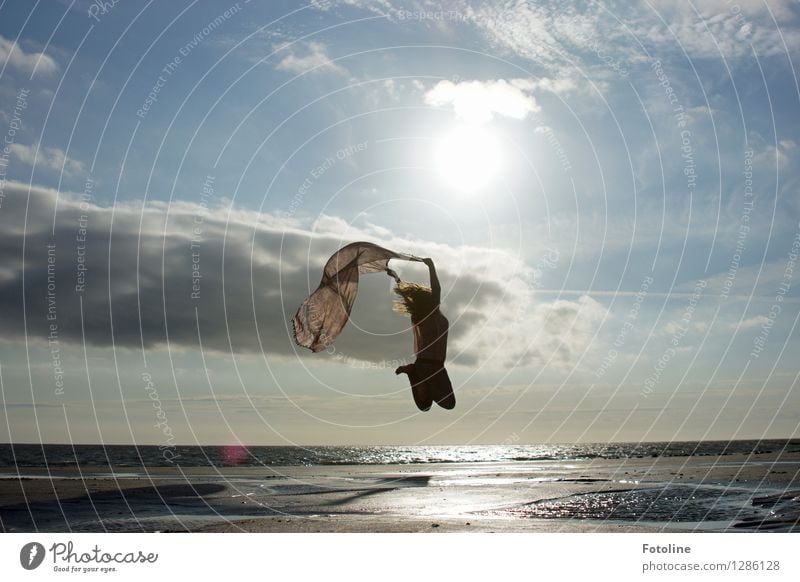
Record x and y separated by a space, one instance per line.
752 492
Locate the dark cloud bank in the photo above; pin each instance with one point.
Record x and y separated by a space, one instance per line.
150 274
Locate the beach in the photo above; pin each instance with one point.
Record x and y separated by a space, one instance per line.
698 493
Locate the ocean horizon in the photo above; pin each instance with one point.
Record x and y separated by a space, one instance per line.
30 455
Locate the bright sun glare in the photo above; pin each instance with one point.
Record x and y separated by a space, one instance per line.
468 157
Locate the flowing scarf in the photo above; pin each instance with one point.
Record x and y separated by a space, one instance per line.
322 317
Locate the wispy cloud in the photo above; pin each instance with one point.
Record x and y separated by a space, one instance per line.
29 62
554 35
560 85
51 158
749 323
313 59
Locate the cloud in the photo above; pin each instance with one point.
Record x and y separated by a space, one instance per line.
50 158
559 36
480 101
780 9
756 280
678 326
531 30
32 63
315 60
560 332
772 155
558 86
134 276
749 323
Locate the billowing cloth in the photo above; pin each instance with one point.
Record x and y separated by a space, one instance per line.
322 317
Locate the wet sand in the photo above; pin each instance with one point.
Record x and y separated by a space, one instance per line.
698 493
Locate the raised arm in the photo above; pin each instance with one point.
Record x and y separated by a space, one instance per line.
435 285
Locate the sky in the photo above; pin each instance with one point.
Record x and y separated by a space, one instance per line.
609 191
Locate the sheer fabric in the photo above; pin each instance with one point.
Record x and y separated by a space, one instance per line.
322 317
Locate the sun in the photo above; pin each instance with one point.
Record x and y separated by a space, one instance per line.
468 157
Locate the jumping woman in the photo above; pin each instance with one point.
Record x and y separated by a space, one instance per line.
427 375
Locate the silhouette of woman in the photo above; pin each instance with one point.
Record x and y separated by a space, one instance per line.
427 375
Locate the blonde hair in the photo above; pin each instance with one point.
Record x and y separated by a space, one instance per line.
415 299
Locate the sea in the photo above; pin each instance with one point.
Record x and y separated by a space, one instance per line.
99 455
187 488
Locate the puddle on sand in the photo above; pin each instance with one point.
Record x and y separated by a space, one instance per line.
675 504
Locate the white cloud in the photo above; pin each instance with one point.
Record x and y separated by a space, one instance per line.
480 101
47 157
315 59
32 63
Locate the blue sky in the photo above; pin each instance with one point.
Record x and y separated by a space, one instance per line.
609 191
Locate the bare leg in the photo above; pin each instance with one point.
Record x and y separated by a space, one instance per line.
442 390
419 388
